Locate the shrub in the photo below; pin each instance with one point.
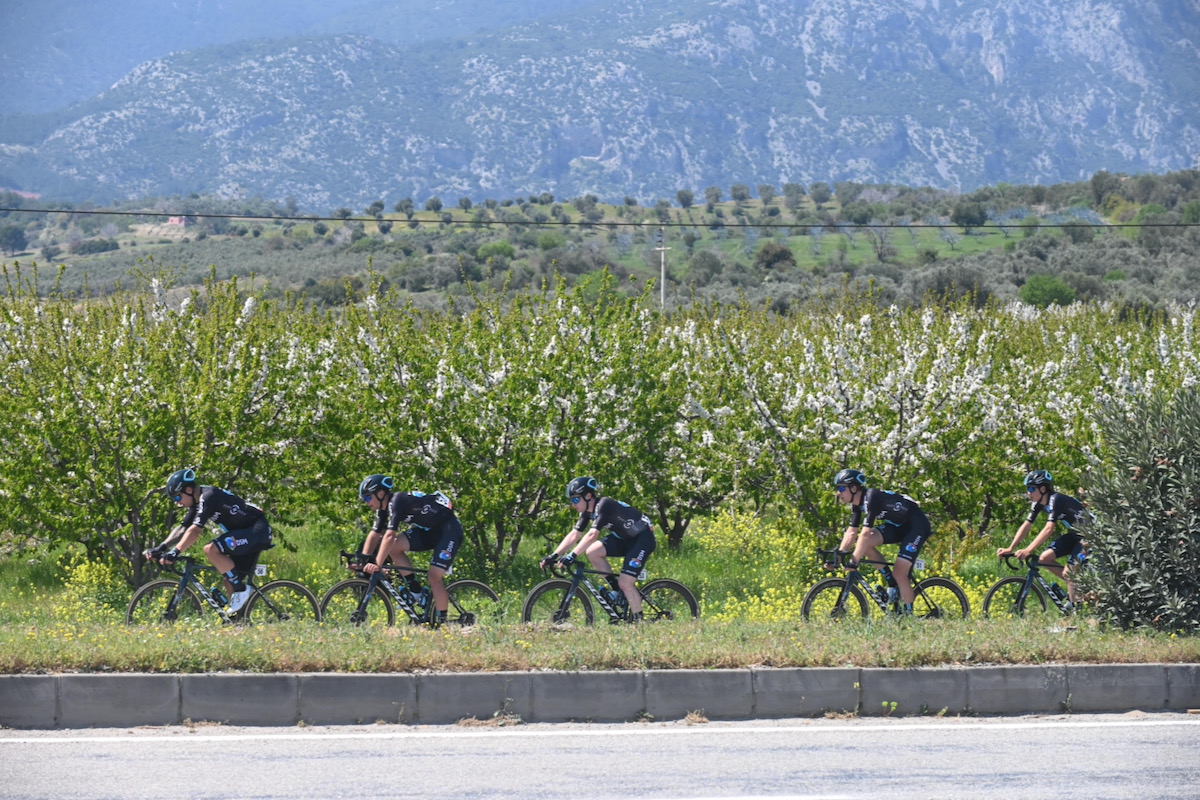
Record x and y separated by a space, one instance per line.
1044 290
778 563
92 246
93 591
1145 552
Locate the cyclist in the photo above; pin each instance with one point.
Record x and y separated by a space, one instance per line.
431 525
1039 485
890 518
243 532
629 535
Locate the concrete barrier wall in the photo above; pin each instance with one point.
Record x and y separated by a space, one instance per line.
125 700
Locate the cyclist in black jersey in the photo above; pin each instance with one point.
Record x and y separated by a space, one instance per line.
243 532
890 518
1059 508
429 523
629 535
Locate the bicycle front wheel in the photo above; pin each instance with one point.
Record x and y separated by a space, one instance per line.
283 601
153 602
340 605
473 603
665 599
1004 599
824 602
547 604
940 598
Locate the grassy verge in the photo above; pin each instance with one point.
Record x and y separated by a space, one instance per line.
696 645
59 613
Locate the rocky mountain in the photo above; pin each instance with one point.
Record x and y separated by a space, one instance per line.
643 98
57 52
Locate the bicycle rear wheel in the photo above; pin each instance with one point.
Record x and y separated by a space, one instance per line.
151 604
665 599
283 601
340 604
473 603
1004 599
940 598
544 605
823 602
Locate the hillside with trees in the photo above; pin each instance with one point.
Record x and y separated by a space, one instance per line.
1131 240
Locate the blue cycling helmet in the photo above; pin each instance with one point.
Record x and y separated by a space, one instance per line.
579 486
179 480
849 477
373 483
1039 477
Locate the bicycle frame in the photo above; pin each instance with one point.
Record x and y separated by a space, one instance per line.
402 597
577 574
875 592
189 576
1034 575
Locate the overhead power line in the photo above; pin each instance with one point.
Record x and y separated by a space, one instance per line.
646 223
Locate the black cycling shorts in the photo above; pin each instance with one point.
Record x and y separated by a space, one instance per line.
635 550
910 536
444 543
1069 545
245 545
255 539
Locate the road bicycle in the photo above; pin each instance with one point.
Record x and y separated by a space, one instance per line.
559 601
373 600
184 598
846 597
1014 596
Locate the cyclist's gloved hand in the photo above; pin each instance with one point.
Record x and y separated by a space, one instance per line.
548 561
153 554
169 557
567 560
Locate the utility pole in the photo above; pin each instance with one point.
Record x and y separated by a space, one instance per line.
662 260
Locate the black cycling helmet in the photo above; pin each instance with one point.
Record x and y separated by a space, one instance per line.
849 477
179 480
1039 477
373 483
578 486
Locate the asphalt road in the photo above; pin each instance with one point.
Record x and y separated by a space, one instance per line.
1133 755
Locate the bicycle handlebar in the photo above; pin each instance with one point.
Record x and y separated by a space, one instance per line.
837 557
1029 562
182 561
363 559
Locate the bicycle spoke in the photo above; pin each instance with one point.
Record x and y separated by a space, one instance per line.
340 606
665 600
824 602
151 604
940 598
282 601
473 603
545 605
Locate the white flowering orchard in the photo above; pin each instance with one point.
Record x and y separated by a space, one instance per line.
500 403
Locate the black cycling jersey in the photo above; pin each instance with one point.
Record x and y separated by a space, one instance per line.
415 509
224 510
1061 508
888 508
615 517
